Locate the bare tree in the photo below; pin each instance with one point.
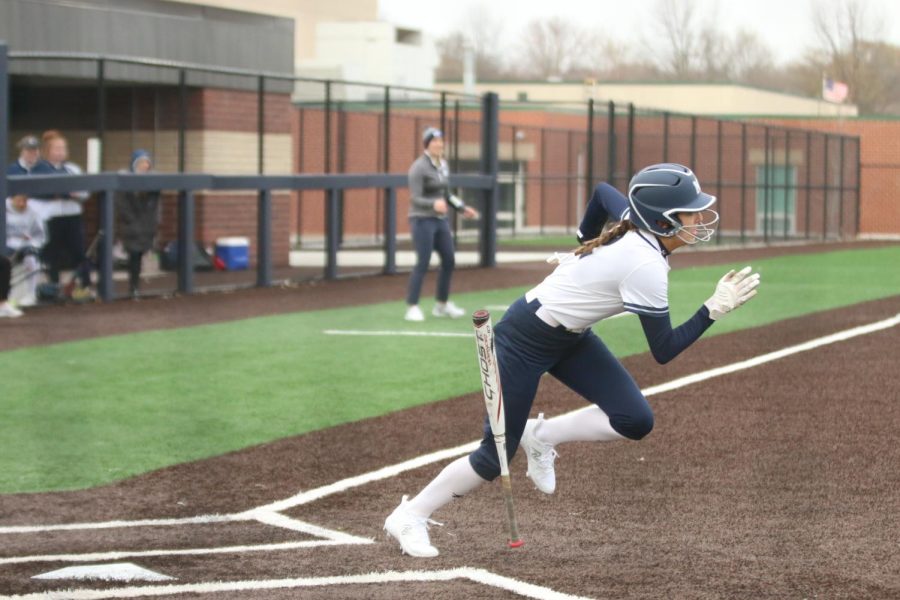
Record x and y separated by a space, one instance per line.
602 56
731 58
847 30
481 31
551 48
676 26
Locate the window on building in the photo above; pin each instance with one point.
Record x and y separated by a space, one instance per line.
522 96
776 212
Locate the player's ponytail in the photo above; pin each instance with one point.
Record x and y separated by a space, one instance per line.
607 236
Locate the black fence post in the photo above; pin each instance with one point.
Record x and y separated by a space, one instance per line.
186 242
743 182
264 239
332 232
808 178
456 135
341 135
327 127
719 179
788 182
4 133
182 118
386 141
841 190
104 252
693 142
101 108
589 172
611 144
389 223
630 171
665 148
444 113
767 186
390 231
260 124
858 182
569 195
825 192
489 166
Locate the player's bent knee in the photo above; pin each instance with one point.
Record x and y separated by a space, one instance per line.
485 464
633 427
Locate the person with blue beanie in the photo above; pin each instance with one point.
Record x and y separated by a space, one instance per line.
137 216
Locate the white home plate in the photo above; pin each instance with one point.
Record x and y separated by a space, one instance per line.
106 572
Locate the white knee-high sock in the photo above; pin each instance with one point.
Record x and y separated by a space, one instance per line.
586 425
456 480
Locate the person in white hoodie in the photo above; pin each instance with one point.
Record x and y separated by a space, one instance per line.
25 236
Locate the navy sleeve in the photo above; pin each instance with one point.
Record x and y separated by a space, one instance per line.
667 343
606 202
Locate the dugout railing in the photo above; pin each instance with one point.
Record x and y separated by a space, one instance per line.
105 185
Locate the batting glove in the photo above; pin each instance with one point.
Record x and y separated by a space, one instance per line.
733 290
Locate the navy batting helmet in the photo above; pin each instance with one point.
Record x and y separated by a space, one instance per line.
656 193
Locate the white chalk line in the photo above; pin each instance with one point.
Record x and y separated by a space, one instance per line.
278 520
480 576
120 554
420 461
329 537
440 334
398 333
119 524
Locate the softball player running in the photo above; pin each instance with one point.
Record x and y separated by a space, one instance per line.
625 268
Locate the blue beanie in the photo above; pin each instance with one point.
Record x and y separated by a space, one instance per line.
138 155
430 134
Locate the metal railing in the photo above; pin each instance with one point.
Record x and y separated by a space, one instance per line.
106 185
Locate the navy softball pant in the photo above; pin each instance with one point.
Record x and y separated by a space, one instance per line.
527 347
429 234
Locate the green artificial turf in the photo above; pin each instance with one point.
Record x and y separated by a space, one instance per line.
80 414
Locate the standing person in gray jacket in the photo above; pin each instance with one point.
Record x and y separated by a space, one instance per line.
138 220
430 200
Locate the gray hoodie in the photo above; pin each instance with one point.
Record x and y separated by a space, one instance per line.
427 183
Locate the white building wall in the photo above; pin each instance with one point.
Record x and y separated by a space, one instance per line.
373 52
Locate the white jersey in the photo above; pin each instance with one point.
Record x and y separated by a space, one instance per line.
24 228
631 274
65 207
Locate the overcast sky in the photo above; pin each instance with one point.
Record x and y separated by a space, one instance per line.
784 25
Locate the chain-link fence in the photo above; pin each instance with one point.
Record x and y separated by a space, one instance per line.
772 183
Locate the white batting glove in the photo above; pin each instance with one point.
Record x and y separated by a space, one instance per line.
732 291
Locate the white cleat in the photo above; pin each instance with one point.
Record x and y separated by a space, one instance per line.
414 313
411 531
540 457
447 309
8 311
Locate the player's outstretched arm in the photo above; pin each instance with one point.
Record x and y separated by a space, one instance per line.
732 291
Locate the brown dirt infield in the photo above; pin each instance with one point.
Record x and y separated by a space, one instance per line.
778 481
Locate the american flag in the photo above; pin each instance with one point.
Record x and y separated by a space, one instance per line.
834 91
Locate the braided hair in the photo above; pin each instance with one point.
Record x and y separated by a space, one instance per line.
607 236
